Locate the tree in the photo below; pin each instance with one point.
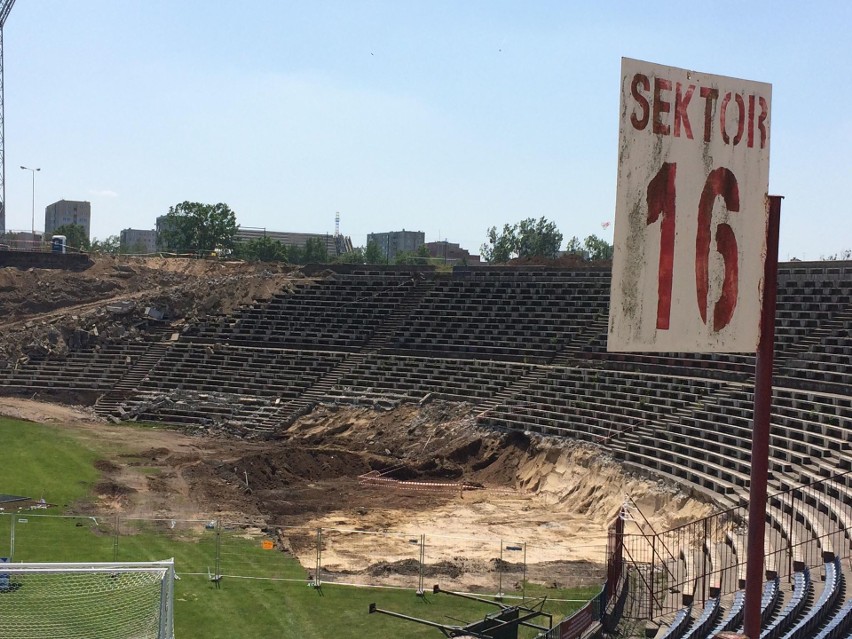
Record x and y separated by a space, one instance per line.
527 238
315 251
373 254
110 246
75 236
597 249
355 256
575 247
261 249
500 248
295 254
538 238
198 228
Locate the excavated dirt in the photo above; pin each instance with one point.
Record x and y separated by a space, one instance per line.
555 497
48 311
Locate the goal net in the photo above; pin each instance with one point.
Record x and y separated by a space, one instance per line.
105 600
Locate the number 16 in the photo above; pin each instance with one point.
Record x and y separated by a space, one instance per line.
662 205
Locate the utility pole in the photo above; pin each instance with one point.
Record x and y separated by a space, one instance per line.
5 8
33 171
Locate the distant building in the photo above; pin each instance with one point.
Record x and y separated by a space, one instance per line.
138 241
162 224
451 253
334 246
21 241
397 242
67 212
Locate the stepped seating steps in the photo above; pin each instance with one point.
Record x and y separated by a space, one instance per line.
593 403
415 377
98 369
332 313
380 335
503 316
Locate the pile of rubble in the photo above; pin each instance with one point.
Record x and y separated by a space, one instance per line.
45 313
61 334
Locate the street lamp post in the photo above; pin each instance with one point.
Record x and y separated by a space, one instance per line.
33 171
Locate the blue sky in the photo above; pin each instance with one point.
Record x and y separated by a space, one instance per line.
444 117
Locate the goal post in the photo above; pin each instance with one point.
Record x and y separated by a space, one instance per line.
69 600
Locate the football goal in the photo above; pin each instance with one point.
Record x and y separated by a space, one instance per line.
106 600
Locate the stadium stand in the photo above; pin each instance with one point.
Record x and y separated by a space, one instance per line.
81 370
791 610
733 616
526 346
680 623
705 619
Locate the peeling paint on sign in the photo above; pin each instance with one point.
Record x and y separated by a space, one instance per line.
690 221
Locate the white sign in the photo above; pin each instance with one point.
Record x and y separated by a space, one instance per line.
690 215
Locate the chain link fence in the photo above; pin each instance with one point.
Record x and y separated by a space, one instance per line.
220 550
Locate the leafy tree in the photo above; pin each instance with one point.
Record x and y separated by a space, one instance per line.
575 247
199 228
538 238
75 236
527 238
373 254
315 251
110 246
500 248
355 256
296 255
261 249
597 249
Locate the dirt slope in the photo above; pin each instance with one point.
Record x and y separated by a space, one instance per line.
556 497
49 311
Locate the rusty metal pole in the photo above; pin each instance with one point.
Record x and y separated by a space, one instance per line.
651 611
760 431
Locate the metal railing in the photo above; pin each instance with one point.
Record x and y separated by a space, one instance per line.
807 524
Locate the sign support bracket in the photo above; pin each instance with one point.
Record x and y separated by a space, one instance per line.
760 431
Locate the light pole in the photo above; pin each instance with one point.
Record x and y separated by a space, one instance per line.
33 171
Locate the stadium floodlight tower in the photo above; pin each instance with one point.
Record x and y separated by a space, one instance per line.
5 8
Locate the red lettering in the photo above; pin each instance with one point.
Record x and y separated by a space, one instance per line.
710 95
723 114
662 204
761 120
680 113
741 120
720 182
640 79
660 105
726 244
751 121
